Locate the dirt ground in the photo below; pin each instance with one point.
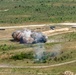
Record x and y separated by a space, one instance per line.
44 29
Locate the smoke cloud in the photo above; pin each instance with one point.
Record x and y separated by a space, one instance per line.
39 51
41 54
29 37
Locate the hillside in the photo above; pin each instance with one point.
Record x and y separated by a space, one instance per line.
37 11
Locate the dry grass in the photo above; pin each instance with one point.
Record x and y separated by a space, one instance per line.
5 55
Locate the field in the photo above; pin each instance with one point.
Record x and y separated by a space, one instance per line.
55 56
45 71
16 58
16 12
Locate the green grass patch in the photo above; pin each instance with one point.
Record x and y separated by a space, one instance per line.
39 11
21 56
6 47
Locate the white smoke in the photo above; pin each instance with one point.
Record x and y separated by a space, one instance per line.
27 33
28 36
39 51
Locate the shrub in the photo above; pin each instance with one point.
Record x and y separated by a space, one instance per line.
22 56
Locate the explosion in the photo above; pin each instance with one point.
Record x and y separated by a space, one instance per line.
27 36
